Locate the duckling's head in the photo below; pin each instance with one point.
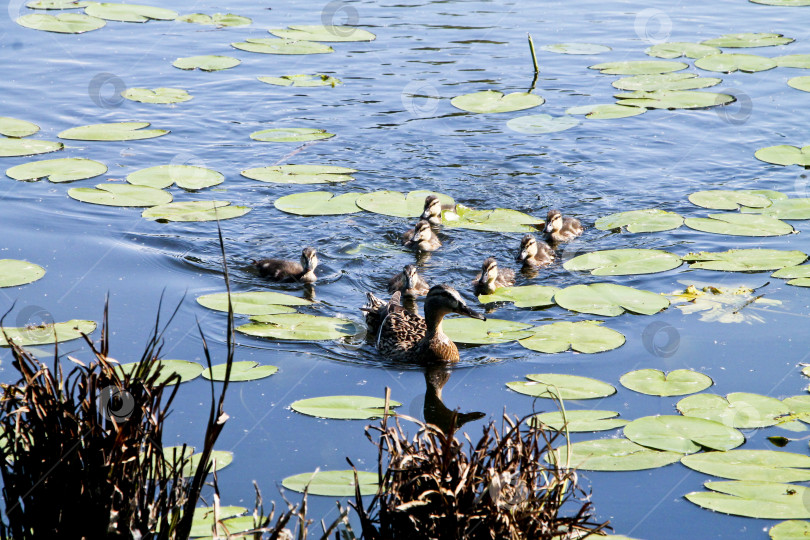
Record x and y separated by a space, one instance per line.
422 232
554 221
443 299
410 275
489 270
433 209
309 259
528 248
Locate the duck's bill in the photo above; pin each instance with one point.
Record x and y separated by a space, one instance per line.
426 214
548 228
522 257
464 310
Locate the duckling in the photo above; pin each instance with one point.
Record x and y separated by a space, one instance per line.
284 270
490 278
421 237
534 253
561 229
409 282
433 210
404 336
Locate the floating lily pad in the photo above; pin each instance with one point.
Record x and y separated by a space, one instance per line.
57 170
318 203
492 101
252 303
14 273
298 326
203 521
281 46
676 49
301 174
765 500
523 296
558 385
721 304
666 81
610 300
128 12
290 135
316 32
798 276
674 99
116 131
43 334
576 48
55 4
639 221
613 455
185 176
240 371
302 81
656 383
158 95
740 225
14 127
721 199
579 421
729 63
121 195
800 83
27 147
606 111
186 370
639 67
745 260
764 465
497 220
784 209
332 483
800 61
394 203
217 19
738 409
63 23
344 407
536 124
622 262
195 211
219 459
208 62
478 332
748 39
783 154
581 336
682 434
791 529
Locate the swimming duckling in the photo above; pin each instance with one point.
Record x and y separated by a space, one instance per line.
490 278
409 282
534 253
433 210
561 229
284 270
421 237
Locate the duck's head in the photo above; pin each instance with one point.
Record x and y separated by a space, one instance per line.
528 248
422 232
554 221
410 275
489 270
443 299
309 259
433 209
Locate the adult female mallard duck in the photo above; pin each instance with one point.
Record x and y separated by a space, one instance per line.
404 336
421 237
491 278
284 270
534 253
433 210
561 229
408 282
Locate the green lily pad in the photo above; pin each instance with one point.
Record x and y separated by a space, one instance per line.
186 370
57 170
55 4
608 111
219 459
800 61
128 12
738 409
639 221
721 304
252 303
783 209
316 32
203 521
394 203
677 49
121 195
497 220
612 455
478 332
281 46
44 334
298 326
240 371
301 174
576 48
158 95
784 3
610 300
302 80
227 526
666 81
654 382
639 67
523 296
116 131
290 135
185 176
14 273
208 62
332 483
318 203
558 385
14 127
765 500
721 199
492 101
745 260
682 434
536 124
783 154
27 147
798 276
741 225
344 407
748 39
579 421
217 19
800 83
674 99
581 336
194 211
791 529
763 465
623 262
729 63
63 23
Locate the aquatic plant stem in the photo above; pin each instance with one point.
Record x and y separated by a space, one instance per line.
534 62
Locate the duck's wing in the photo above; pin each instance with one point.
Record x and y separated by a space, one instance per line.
506 277
573 225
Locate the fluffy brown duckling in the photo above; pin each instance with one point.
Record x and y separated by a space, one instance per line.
534 253
433 210
421 237
284 270
561 229
491 278
408 282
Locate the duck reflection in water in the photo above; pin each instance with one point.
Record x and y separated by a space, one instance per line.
435 411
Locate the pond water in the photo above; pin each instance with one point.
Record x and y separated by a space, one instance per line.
395 125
